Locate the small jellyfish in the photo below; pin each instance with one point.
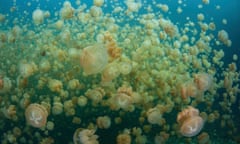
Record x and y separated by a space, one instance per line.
5 85
93 59
103 122
36 115
189 89
38 16
85 136
154 115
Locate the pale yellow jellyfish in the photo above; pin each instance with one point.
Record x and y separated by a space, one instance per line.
203 81
190 122
38 16
93 59
36 115
85 136
5 84
189 89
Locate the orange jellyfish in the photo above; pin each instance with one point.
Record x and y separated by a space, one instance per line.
36 115
190 122
93 59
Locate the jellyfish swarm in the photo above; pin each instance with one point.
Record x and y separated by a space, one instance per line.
36 115
190 122
93 59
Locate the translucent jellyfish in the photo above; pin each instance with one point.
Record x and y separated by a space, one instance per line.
123 98
85 136
5 84
223 37
189 89
203 81
103 122
98 2
38 16
67 11
154 115
204 138
110 72
190 122
93 59
96 94
36 115
192 126
124 139
27 69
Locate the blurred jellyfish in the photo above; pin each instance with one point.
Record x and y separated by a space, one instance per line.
203 81
5 84
189 89
85 136
38 16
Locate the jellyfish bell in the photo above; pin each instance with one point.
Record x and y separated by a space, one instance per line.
192 126
190 122
188 112
36 115
93 59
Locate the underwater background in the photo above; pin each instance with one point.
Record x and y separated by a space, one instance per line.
124 72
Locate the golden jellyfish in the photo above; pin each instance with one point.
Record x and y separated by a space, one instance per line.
189 89
85 136
38 16
154 115
67 11
103 122
93 59
27 69
55 85
124 139
223 37
204 138
110 72
36 115
203 81
5 84
57 108
123 98
98 2
96 94
190 122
